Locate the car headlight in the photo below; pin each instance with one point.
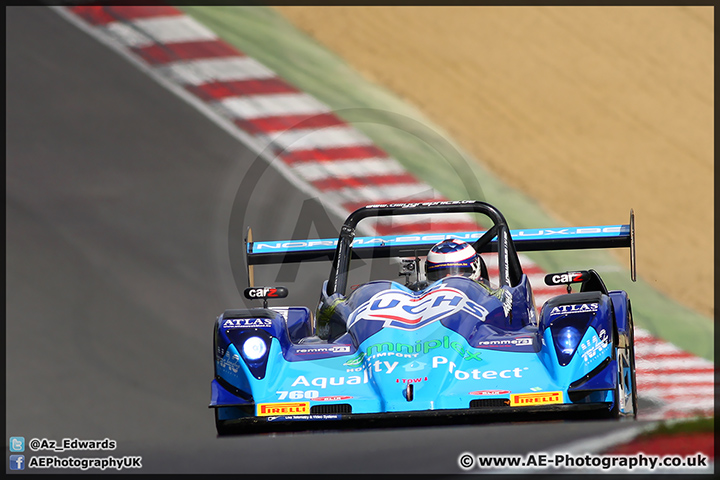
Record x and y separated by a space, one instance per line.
568 339
254 348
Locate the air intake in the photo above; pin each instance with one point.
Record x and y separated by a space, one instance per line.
490 402
331 409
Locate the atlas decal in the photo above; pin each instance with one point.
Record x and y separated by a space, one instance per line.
570 309
247 323
397 309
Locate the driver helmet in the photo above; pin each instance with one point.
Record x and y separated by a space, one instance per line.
452 257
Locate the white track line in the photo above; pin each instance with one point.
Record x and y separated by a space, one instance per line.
175 29
224 69
313 138
314 171
273 105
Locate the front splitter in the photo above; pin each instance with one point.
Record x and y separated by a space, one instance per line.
253 424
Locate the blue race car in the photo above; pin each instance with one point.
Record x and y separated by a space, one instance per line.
449 347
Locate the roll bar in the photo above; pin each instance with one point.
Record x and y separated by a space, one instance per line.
508 261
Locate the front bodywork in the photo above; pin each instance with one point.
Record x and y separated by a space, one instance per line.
456 353
452 348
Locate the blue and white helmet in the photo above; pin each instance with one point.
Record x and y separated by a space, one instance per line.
452 257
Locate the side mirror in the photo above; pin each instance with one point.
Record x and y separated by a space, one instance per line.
256 293
567 278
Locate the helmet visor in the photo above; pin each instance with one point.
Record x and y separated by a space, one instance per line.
436 272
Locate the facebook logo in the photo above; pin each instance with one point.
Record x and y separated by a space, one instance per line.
17 462
17 444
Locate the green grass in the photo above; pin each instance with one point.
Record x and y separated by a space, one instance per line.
427 151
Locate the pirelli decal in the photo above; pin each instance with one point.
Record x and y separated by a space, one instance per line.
540 398
292 408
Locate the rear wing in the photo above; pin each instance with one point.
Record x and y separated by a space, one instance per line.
526 240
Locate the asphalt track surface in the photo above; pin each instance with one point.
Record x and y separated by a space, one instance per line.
122 216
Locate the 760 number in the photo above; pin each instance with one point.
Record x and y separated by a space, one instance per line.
298 394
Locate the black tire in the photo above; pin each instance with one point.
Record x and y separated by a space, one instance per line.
631 353
626 367
220 425
625 359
